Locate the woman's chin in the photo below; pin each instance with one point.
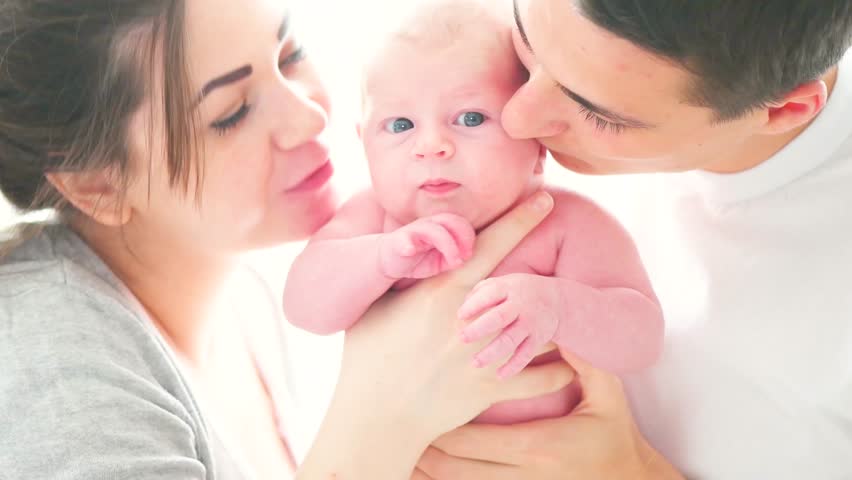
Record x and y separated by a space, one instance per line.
308 221
289 229
317 222
301 219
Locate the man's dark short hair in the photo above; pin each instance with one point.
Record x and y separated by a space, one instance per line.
744 54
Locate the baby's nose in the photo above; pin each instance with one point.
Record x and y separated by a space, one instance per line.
434 146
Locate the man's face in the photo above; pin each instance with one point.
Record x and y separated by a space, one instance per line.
602 105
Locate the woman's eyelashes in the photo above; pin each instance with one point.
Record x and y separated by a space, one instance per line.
297 56
232 121
225 125
467 119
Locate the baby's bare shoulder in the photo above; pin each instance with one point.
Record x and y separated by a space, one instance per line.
362 203
580 223
360 215
575 207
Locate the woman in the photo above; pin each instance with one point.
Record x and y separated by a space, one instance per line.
170 137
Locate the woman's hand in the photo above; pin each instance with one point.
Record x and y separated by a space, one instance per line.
599 439
406 376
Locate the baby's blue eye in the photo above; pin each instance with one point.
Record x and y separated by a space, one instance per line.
470 119
399 125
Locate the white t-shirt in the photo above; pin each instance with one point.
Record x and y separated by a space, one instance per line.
753 270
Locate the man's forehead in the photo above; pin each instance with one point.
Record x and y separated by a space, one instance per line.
594 62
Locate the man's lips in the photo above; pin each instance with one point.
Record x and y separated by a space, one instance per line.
439 186
314 180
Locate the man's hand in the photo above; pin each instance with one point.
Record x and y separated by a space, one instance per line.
599 439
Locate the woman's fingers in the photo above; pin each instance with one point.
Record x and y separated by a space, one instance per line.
546 348
601 390
489 442
498 240
536 380
420 475
437 465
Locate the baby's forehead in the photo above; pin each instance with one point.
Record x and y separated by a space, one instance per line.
457 71
474 58
465 38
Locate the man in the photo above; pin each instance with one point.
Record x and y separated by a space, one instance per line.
750 250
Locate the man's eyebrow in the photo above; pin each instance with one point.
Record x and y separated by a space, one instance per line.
604 112
596 109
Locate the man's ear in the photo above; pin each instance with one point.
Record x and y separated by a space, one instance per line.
797 108
97 194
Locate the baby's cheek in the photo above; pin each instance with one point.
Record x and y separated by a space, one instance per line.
493 198
383 177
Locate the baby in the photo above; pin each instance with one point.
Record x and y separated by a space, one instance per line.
442 168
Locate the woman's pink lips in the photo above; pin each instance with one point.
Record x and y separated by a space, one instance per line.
315 180
439 187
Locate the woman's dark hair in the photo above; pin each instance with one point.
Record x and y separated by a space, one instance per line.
72 74
744 53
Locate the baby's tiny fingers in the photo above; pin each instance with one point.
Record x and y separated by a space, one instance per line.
491 321
485 295
432 235
501 347
405 247
461 230
522 357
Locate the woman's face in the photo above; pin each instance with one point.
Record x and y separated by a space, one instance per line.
262 112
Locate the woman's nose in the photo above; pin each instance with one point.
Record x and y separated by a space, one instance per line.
303 115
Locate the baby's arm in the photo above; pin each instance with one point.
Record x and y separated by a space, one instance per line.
350 263
599 303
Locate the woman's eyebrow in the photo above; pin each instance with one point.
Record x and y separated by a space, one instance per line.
225 79
244 71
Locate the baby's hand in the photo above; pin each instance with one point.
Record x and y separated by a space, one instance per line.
524 306
427 247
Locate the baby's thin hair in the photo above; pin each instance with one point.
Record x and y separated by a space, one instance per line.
441 24
435 25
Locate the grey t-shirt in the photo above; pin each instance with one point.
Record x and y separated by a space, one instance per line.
88 388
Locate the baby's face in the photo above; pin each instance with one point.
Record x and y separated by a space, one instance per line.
433 138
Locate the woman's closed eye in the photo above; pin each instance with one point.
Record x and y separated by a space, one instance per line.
297 56
232 121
